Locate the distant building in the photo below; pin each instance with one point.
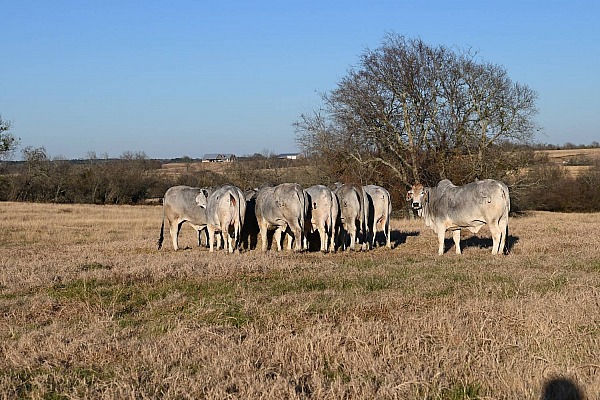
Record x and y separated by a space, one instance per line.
219 157
290 156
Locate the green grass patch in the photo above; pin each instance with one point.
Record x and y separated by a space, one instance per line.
552 284
25 383
461 391
229 313
132 302
591 266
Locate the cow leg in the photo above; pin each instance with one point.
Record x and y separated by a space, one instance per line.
324 241
277 238
206 236
388 239
299 239
456 237
503 226
226 238
230 242
295 238
336 235
441 235
342 237
219 240
496 237
199 229
263 236
331 239
199 232
286 234
233 234
307 231
174 229
373 234
237 232
211 239
323 237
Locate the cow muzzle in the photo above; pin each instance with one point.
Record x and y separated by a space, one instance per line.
417 206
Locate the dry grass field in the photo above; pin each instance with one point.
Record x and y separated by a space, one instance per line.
89 309
175 169
566 159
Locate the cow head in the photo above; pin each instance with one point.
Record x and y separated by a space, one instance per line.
202 198
417 195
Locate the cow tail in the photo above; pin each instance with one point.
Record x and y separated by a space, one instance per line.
388 220
332 200
161 237
506 196
305 206
364 214
235 207
240 220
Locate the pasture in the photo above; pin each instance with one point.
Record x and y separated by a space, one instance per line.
90 309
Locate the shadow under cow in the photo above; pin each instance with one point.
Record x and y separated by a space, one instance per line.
480 243
397 237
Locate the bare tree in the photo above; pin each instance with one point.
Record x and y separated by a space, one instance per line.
419 112
8 142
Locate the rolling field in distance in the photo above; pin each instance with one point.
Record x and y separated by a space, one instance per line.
90 309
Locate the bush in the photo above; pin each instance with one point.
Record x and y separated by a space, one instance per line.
550 188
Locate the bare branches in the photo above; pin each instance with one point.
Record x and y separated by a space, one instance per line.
418 110
8 142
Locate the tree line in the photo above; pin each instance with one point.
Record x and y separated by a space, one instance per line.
134 179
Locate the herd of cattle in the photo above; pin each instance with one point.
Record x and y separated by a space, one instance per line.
343 217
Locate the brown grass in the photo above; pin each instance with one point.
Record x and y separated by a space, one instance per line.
180 168
559 156
90 309
566 157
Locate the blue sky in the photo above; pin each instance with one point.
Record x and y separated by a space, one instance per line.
184 78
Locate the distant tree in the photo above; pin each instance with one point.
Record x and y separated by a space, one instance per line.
188 162
411 111
129 178
8 142
33 183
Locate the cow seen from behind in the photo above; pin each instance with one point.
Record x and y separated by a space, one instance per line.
351 215
283 208
377 208
324 210
225 211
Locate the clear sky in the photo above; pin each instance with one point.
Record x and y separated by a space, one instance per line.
185 78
